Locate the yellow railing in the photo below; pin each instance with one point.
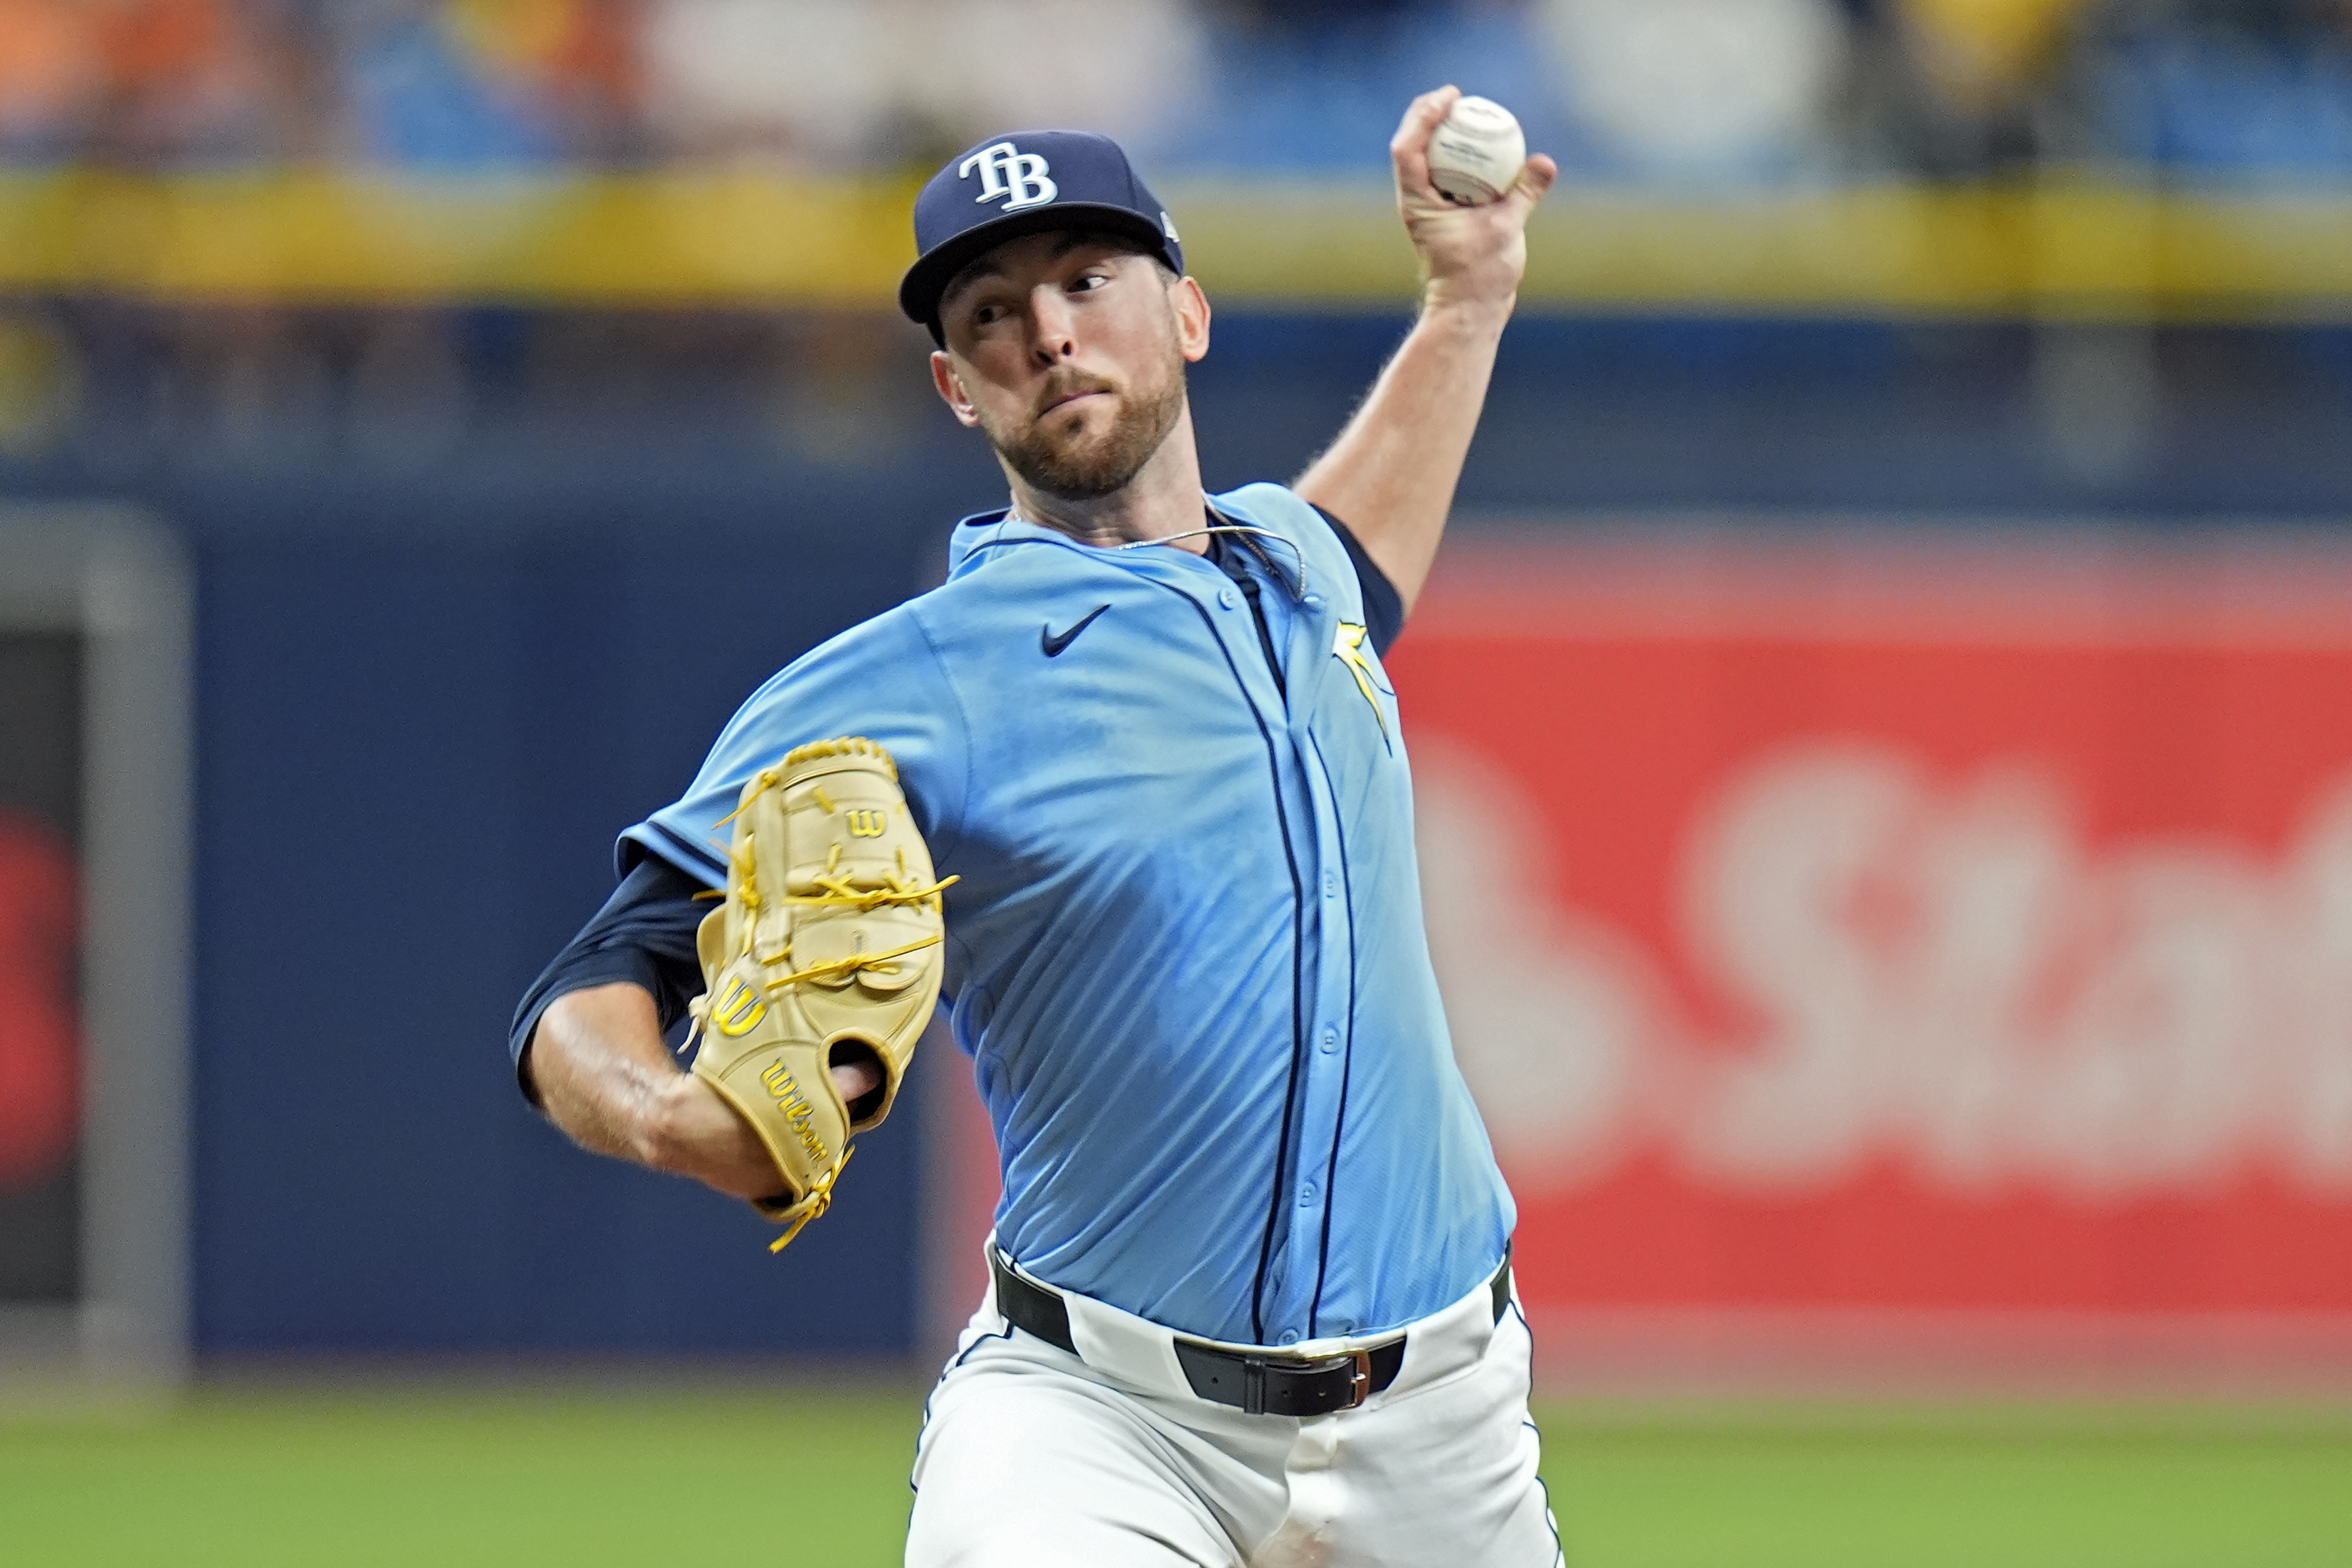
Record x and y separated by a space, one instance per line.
757 239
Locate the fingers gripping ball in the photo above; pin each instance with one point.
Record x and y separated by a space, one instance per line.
1476 153
828 945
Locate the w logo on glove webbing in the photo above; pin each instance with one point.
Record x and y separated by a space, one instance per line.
739 1011
1006 173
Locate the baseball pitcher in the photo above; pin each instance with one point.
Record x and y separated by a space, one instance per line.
1127 796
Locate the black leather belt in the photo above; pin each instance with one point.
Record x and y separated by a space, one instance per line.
1258 1384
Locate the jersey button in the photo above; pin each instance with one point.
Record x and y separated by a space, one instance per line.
1307 1196
1331 884
1330 1041
1290 1336
1226 598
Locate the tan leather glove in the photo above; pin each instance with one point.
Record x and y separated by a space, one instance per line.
829 941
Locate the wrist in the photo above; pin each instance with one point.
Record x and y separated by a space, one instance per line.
666 1132
1448 308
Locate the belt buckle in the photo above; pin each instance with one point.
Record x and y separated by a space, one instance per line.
1358 1363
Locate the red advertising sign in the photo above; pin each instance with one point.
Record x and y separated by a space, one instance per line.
1860 922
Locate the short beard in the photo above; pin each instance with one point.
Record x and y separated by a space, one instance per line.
1090 470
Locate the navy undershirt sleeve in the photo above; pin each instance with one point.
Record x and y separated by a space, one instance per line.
1383 606
644 935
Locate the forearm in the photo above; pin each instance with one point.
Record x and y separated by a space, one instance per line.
1391 474
600 1069
607 1078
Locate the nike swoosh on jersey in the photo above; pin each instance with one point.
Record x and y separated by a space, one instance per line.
1055 645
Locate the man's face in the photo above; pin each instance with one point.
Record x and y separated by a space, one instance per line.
1067 351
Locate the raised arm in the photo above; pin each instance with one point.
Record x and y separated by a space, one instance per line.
1391 475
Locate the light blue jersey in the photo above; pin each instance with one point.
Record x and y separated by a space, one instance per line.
1186 950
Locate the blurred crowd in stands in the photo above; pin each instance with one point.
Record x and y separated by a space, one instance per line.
1683 91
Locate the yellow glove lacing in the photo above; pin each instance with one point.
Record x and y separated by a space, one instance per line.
840 893
820 1199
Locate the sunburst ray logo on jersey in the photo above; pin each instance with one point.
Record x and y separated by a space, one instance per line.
1348 648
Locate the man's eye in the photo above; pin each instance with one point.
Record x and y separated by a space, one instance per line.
987 314
1089 281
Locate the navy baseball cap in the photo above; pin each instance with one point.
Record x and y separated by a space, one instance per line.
1026 183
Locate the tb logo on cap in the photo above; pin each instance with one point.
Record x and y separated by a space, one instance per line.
1007 172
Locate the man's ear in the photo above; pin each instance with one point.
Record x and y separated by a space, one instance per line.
1191 308
950 389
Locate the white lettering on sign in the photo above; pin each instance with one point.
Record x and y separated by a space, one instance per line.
1008 175
1942 973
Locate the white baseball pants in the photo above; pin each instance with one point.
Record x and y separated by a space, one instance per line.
1032 1457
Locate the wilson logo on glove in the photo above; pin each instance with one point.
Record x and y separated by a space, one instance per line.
786 1092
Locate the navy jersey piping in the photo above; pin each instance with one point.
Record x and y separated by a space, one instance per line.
1227 557
1346 1066
1297 978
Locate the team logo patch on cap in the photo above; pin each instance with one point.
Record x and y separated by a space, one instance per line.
1008 175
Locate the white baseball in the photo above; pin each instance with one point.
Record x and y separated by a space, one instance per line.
1477 152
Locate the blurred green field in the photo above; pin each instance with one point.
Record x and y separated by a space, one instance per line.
518 1476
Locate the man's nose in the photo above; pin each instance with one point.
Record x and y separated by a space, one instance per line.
1056 324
